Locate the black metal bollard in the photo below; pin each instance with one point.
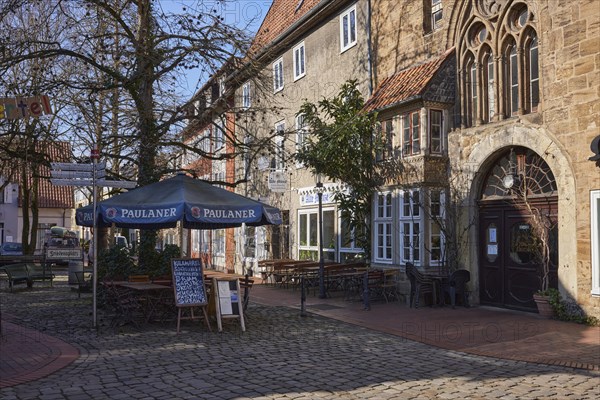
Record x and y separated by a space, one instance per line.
302 298
366 303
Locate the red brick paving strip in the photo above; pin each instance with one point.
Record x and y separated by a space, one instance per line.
27 355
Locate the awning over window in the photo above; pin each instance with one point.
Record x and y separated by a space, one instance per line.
433 80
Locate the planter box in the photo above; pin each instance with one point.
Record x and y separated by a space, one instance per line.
543 304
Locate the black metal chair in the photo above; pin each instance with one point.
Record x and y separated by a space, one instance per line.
420 284
457 286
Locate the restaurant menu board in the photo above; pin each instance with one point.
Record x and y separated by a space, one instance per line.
228 303
188 282
228 300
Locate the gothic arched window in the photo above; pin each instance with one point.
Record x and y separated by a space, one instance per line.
470 72
511 85
499 64
488 86
533 73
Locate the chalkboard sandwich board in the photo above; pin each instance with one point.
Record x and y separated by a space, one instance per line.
188 285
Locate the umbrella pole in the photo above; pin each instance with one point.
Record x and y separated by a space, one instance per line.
95 239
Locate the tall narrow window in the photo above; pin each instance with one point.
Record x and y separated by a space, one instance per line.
490 110
513 79
411 134
348 28
383 227
301 133
278 75
534 74
595 240
219 133
387 135
279 159
299 58
436 240
221 86
410 226
435 131
473 89
246 100
436 14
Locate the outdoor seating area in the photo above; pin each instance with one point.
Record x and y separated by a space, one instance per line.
346 279
139 299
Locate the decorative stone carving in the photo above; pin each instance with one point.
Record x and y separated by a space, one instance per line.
490 8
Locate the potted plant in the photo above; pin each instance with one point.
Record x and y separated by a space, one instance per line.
542 227
538 243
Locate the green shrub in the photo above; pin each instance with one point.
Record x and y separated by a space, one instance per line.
569 311
160 262
115 264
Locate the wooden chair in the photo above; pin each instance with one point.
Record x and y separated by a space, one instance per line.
420 284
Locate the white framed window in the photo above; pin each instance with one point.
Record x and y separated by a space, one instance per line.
205 141
246 99
221 86
410 226
308 234
246 158
595 240
301 133
278 162
219 242
383 228
348 28
436 14
348 246
278 75
219 134
299 61
411 140
436 235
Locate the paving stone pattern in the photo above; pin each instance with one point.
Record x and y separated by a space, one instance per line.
280 356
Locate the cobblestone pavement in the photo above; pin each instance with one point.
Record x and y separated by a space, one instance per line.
280 356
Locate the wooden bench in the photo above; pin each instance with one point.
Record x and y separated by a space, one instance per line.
27 273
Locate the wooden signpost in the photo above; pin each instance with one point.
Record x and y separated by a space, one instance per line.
228 300
188 284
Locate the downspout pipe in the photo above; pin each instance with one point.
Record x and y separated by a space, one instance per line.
369 49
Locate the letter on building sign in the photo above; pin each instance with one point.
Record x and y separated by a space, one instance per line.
24 107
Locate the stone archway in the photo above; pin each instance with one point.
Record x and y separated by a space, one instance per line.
477 157
518 187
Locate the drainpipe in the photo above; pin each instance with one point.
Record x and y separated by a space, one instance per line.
369 48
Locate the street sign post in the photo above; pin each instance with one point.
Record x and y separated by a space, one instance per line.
71 174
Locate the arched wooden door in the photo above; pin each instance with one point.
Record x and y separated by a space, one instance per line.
519 195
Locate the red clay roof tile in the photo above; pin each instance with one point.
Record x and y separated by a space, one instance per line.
405 84
282 15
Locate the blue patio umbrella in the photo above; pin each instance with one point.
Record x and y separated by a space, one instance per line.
198 204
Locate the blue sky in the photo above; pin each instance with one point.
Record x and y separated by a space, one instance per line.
245 14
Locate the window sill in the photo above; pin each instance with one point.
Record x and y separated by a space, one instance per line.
345 49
